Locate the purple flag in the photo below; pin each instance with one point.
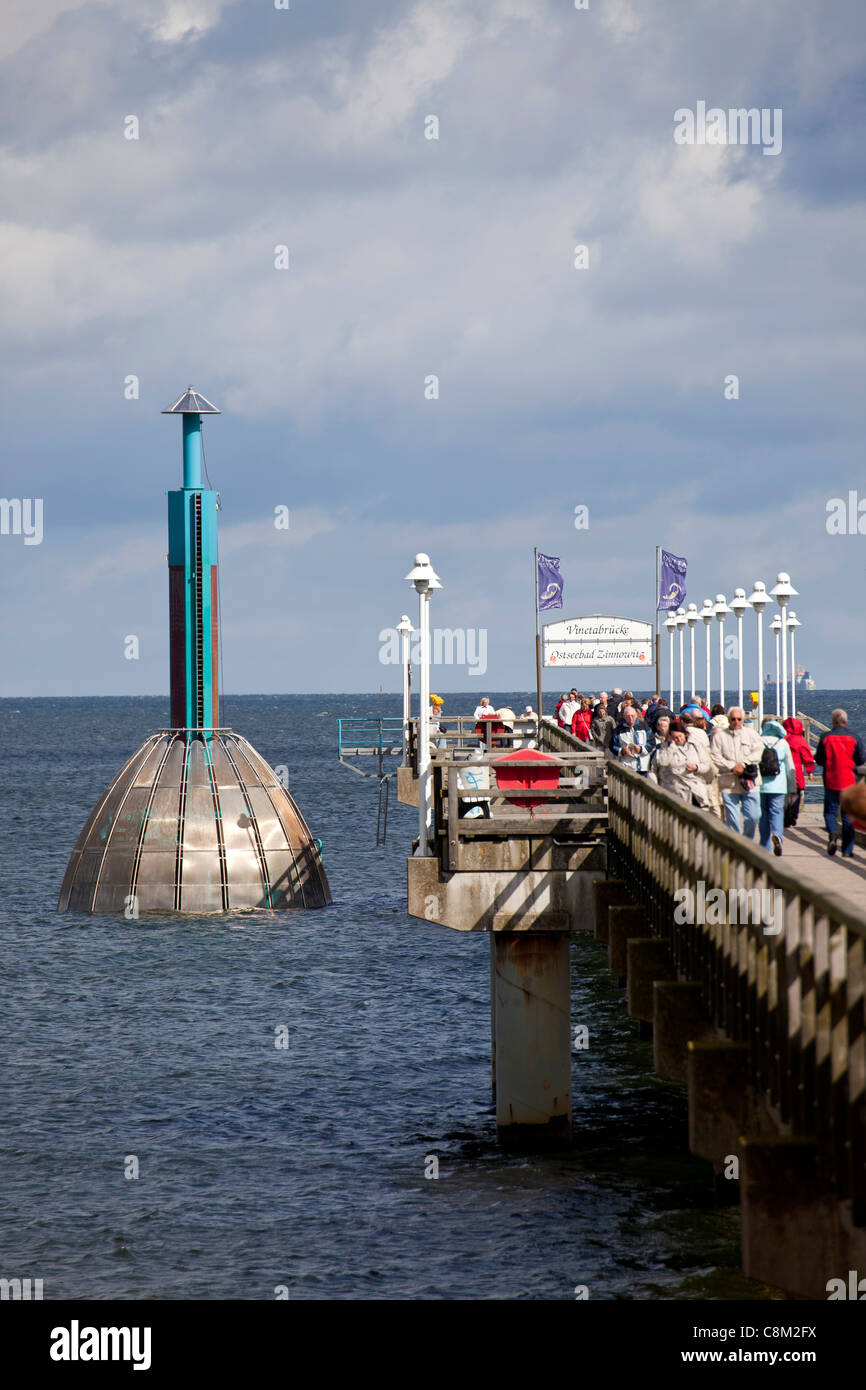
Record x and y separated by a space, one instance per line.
549 582
672 585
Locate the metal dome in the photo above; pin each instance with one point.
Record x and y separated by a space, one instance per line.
194 822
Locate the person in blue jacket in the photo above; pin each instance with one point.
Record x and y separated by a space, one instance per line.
775 789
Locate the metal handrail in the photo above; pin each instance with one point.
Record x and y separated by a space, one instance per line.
376 726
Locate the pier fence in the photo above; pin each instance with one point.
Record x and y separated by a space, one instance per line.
789 983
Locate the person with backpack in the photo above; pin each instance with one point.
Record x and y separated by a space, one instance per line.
775 766
736 751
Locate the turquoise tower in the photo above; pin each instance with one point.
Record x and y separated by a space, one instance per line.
193 586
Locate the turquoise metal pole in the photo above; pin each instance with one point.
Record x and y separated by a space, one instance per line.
192 451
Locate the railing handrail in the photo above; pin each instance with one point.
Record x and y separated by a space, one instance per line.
828 904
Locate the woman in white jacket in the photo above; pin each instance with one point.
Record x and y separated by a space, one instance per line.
681 766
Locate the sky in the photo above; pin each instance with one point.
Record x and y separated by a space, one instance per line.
605 385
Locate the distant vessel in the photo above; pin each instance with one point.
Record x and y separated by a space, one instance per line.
803 678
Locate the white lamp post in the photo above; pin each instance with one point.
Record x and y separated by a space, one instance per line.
739 604
708 613
425 580
405 630
680 620
720 610
793 622
776 628
671 625
782 591
759 598
691 619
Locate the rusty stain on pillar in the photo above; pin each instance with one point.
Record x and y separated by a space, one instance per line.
531 1004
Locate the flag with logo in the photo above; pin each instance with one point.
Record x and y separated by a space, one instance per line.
549 581
672 582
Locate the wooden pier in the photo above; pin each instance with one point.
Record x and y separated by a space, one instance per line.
748 971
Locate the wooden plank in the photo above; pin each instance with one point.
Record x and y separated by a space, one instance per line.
504 826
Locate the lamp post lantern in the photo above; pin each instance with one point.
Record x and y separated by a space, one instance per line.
405 630
425 579
759 598
707 614
691 619
721 609
739 604
793 622
680 620
671 625
776 628
782 591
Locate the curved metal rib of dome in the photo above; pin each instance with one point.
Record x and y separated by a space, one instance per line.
194 824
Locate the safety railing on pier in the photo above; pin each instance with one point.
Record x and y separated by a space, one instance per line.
790 985
367 737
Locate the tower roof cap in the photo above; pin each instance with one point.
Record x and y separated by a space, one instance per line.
191 403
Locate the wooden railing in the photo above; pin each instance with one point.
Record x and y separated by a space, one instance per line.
791 986
463 782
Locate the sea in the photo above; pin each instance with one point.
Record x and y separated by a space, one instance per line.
160 1141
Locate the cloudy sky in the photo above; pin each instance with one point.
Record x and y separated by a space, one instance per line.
412 257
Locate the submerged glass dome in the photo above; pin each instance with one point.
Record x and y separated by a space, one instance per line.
194 824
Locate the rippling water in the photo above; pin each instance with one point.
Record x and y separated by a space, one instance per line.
304 1167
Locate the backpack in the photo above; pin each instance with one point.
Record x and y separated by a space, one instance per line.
769 765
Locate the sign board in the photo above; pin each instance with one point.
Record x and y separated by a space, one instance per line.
597 641
474 779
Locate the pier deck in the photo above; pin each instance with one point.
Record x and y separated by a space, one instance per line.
804 851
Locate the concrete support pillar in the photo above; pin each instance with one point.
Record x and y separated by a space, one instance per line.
531 1005
677 1021
493 1012
623 923
606 892
723 1103
791 1235
647 960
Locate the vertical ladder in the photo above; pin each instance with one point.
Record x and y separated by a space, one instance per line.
199 618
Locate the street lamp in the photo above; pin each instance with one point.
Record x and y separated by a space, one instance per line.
720 610
425 580
759 598
671 625
782 591
680 620
691 619
793 622
739 604
776 627
708 613
405 630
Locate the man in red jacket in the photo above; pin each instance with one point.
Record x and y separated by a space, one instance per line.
839 752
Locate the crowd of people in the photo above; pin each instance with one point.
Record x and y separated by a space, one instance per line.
718 761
